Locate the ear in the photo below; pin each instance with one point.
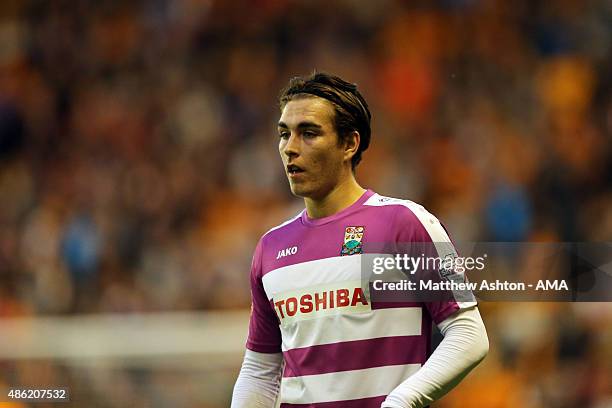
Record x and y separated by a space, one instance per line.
351 144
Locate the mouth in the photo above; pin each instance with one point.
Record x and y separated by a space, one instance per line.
294 170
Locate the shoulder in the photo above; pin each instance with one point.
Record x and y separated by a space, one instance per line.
283 227
276 233
377 200
411 216
281 231
404 209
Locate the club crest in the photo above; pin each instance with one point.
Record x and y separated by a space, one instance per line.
352 241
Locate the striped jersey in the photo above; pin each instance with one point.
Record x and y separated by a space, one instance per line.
340 348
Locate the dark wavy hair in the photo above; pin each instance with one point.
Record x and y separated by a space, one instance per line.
351 109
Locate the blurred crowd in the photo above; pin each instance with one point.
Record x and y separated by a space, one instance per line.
139 163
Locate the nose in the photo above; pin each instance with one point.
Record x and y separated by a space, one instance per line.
292 146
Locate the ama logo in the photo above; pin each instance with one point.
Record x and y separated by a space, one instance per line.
286 252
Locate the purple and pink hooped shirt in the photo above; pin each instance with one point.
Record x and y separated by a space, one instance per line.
340 349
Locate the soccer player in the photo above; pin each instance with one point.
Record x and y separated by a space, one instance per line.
315 338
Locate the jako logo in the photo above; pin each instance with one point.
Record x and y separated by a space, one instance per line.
286 252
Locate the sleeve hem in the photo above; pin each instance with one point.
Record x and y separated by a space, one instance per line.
263 348
452 309
446 312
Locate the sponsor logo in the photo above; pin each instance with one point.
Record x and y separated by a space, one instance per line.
307 305
286 252
352 240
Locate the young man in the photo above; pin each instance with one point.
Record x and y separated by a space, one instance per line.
316 339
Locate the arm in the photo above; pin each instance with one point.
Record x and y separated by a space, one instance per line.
465 344
258 383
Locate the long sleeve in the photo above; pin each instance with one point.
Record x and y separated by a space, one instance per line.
258 383
465 344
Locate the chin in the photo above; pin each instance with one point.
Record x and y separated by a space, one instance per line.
311 192
300 190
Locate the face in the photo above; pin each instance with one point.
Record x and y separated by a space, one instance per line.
314 160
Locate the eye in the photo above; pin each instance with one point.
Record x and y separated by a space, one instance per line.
309 133
283 134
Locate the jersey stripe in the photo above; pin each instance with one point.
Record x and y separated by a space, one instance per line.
359 326
384 351
374 402
312 273
366 383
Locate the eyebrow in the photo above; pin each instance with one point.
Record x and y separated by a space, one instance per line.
301 125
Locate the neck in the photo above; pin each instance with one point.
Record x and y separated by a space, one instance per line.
340 197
